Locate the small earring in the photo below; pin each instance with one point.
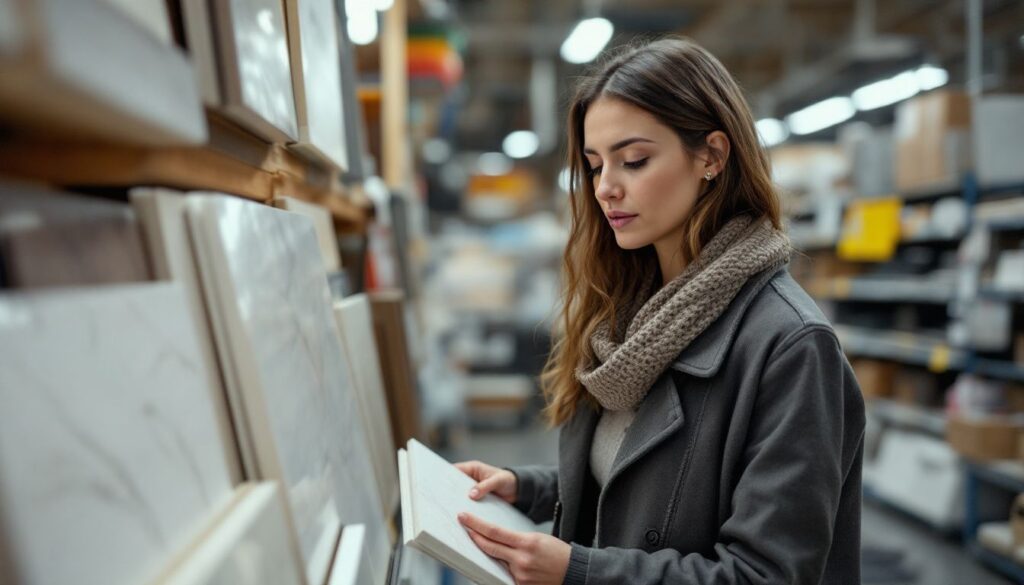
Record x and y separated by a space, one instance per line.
708 176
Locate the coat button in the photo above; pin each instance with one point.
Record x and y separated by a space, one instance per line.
652 537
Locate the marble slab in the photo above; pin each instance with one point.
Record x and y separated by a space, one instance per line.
94 72
197 28
251 544
161 214
254 67
263 273
109 454
355 320
323 222
50 239
149 14
316 79
11 27
350 565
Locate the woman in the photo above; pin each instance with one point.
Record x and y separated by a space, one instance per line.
711 429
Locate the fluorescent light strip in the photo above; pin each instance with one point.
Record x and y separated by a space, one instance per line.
772 131
821 115
887 91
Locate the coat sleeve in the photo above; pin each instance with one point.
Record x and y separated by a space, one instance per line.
804 438
537 491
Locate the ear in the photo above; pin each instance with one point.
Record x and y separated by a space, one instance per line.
718 152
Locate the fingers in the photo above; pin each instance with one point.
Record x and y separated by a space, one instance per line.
493 548
498 534
470 468
485 487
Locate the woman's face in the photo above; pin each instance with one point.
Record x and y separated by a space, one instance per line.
644 180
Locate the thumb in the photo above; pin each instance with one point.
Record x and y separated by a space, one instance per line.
485 487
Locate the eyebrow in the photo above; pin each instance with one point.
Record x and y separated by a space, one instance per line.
620 144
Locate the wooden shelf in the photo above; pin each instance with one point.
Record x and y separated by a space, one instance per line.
233 162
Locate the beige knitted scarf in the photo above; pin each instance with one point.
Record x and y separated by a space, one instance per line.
663 326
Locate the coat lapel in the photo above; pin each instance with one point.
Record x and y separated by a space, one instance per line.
660 415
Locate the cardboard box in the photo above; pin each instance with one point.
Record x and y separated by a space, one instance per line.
984 439
828 265
932 135
916 387
875 377
998 136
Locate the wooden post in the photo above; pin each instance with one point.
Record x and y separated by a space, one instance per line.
395 96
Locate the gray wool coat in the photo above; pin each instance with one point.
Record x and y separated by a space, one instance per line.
743 464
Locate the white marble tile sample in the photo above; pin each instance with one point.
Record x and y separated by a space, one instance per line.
197 28
263 273
251 544
323 222
151 15
355 320
254 66
316 79
109 455
161 213
11 27
351 566
100 73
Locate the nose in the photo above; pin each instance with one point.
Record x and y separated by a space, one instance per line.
607 189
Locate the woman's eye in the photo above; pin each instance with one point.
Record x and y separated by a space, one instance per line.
636 164
595 171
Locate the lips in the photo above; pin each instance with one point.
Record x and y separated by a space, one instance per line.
619 219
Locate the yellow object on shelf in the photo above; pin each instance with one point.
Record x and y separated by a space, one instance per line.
871 230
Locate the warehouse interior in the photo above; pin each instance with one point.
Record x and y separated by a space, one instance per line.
251 248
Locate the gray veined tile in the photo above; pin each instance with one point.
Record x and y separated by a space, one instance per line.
350 566
109 457
161 215
323 222
151 15
265 280
355 320
254 66
250 543
90 69
316 79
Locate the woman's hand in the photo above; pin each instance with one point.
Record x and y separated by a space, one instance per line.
533 558
490 479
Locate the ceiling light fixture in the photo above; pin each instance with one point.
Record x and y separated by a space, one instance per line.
586 40
887 91
362 22
930 77
824 114
772 131
521 144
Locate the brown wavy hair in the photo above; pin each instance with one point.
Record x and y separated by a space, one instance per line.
687 89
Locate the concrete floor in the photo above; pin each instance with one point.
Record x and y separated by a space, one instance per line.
930 558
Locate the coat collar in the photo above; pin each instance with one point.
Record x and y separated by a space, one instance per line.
704 356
